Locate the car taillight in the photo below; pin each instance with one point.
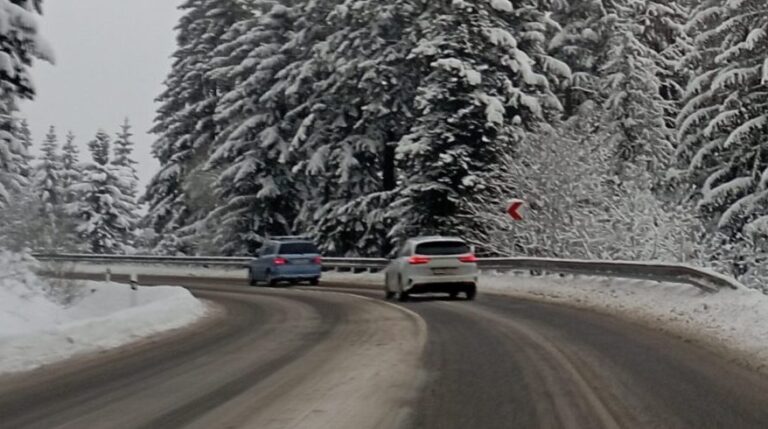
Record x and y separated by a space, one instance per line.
468 258
317 260
418 260
279 261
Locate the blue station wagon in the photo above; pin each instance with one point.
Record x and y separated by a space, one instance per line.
286 260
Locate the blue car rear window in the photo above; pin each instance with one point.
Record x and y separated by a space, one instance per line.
297 248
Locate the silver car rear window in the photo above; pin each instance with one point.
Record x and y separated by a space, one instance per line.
437 248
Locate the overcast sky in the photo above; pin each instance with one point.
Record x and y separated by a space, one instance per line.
111 59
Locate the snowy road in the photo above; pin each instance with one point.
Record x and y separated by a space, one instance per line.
319 359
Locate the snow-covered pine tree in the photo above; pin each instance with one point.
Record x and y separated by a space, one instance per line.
185 121
105 214
14 167
272 114
124 166
20 43
47 179
253 182
123 153
662 22
580 42
299 129
24 135
52 190
589 26
663 32
724 123
99 147
486 78
71 171
71 175
632 89
345 146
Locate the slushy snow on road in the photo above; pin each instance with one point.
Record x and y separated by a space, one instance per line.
730 322
44 321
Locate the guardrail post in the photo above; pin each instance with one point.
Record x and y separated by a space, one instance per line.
108 275
134 282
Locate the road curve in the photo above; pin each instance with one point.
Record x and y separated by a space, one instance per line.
340 357
502 362
277 359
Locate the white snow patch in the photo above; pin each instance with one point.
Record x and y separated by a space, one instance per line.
501 37
502 5
6 65
494 111
235 273
465 70
461 4
36 330
764 79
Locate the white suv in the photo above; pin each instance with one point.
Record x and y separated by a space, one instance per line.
432 264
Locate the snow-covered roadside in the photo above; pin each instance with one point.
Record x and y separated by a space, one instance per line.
235 273
36 330
731 322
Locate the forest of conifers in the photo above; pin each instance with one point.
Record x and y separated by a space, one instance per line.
633 129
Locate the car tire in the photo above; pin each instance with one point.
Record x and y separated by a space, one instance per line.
314 282
470 293
388 294
402 295
251 279
269 280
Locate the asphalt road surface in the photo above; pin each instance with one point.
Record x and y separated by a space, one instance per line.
342 357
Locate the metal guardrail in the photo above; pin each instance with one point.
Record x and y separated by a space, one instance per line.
213 261
705 280
143 259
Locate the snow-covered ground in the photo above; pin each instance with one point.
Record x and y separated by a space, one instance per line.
37 328
235 273
731 322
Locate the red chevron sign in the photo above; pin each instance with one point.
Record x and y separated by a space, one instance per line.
513 209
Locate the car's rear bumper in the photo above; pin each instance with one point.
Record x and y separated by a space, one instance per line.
441 283
441 288
308 272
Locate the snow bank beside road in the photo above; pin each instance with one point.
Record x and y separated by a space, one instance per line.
35 330
24 305
235 273
728 321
